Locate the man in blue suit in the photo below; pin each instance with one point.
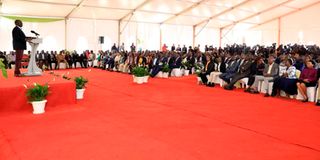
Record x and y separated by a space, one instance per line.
232 69
158 63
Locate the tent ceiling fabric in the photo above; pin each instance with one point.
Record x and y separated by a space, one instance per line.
212 13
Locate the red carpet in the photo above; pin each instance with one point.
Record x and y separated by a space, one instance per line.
163 120
13 93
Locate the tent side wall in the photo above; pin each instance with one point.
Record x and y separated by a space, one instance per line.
301 27
83 34
53 34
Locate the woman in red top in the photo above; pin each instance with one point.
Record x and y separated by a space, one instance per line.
308 78
164 48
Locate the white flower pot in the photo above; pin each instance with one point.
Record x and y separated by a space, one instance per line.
134 79
199 81
139 80
165 74
160 74
186 72
38 106
182 71
192 70
145 79
80 93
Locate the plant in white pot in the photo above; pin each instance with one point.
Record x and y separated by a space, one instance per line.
139 74
160 74
165 71
146 75
199 81
186 67
80 86
37 97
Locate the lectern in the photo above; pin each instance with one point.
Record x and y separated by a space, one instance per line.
33 69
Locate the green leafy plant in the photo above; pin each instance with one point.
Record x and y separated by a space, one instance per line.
3 69
198 66
37 92
166 68
80 82
186 65
198 72
140 71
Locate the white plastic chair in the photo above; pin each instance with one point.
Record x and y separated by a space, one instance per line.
176 72
311 93
244 82
62 66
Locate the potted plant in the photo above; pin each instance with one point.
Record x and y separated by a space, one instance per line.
165 71
186 67
199 81
138 74
3 69
37 97
146 75
197 68
160 74
80 86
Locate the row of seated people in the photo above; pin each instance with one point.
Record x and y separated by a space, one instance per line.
46 60
260 65
152 60
292 72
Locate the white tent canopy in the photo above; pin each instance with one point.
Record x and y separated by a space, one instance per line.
134 21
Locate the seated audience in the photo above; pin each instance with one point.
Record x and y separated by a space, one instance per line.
219 69
308 78
287 81
11 58
231 69
61 59
208 68
257 69
4 59
244 71
270 72
280 65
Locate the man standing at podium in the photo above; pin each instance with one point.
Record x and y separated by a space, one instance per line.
19 45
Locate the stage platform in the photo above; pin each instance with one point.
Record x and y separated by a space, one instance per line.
13 91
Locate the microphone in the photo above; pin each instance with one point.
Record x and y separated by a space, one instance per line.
37 34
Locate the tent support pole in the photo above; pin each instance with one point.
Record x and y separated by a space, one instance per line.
279 31
119 34
220 37
160 38
193 36
65 33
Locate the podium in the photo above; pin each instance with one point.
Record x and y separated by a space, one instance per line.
33 69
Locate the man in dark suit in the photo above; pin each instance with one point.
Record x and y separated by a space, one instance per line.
244 71
19 45
231 69
40 58
157 64
184 49
177 62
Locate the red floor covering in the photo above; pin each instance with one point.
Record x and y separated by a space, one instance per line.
163 120
13 91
